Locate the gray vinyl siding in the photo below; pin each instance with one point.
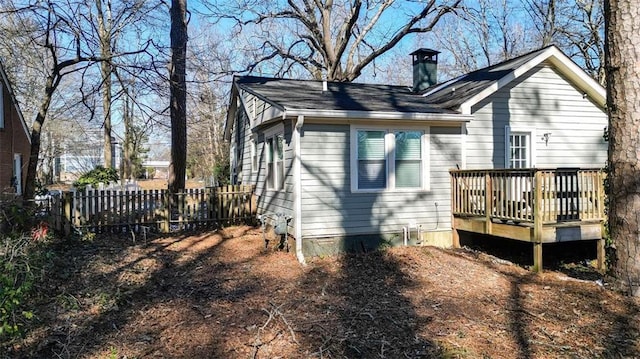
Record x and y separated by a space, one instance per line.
330 209
269 201
275 201
544 100
242 138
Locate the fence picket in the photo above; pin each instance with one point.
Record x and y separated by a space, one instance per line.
122 210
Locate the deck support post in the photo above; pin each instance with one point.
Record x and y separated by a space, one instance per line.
455 236
488 203
537 222
600 262
537 257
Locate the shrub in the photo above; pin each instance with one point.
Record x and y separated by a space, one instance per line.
95 176
18 261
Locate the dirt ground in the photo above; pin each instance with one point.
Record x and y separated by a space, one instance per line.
222 295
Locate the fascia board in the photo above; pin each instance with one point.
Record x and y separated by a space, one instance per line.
376 115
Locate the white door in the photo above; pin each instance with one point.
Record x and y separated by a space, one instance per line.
17 172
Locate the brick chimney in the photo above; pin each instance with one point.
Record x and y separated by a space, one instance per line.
425 69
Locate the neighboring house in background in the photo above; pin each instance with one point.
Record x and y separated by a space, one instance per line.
15 140
157 169
83 154
355 164
69 167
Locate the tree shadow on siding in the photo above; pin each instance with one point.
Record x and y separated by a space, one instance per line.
375 319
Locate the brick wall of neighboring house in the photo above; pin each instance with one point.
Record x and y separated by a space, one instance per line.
13 140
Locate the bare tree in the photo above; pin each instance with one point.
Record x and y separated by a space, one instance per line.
486 32
178 89
104 34
336 39
576 26
56 34
623 90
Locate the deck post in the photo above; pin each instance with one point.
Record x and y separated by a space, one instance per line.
537 257
537 222
600 262
455 236
488 203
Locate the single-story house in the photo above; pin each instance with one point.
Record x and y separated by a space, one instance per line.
356 165
15 140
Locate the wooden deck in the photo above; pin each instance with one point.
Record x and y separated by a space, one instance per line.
533 205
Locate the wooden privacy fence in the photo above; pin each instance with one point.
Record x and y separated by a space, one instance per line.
123 211
546 195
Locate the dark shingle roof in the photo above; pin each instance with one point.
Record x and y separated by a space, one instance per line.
442 98
302 94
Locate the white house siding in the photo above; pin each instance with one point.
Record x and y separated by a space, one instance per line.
329 209
543 100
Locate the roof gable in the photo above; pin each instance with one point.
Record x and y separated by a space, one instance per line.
465 91
452 99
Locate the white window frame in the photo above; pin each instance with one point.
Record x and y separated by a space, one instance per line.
273 134
255 160
531 149
17 172
390 160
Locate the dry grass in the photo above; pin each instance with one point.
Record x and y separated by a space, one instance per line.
222 295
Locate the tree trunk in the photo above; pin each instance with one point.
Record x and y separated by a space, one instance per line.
104 32
127 153
36 132
178 89
622 52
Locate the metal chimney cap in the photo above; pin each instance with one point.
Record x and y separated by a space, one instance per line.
425 50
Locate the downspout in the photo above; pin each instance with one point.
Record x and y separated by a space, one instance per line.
297 172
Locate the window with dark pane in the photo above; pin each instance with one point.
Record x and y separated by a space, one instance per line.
372 168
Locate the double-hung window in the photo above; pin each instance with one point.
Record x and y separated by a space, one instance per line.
275 162
389 159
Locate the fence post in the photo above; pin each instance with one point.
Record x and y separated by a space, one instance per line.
66 212
166 221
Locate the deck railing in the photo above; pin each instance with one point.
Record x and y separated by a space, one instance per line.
527 195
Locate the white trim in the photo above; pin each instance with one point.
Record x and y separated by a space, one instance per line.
277 129
297 180
254 110
389 141
273 133
561 62
377 115
463 146
17 172
253 145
